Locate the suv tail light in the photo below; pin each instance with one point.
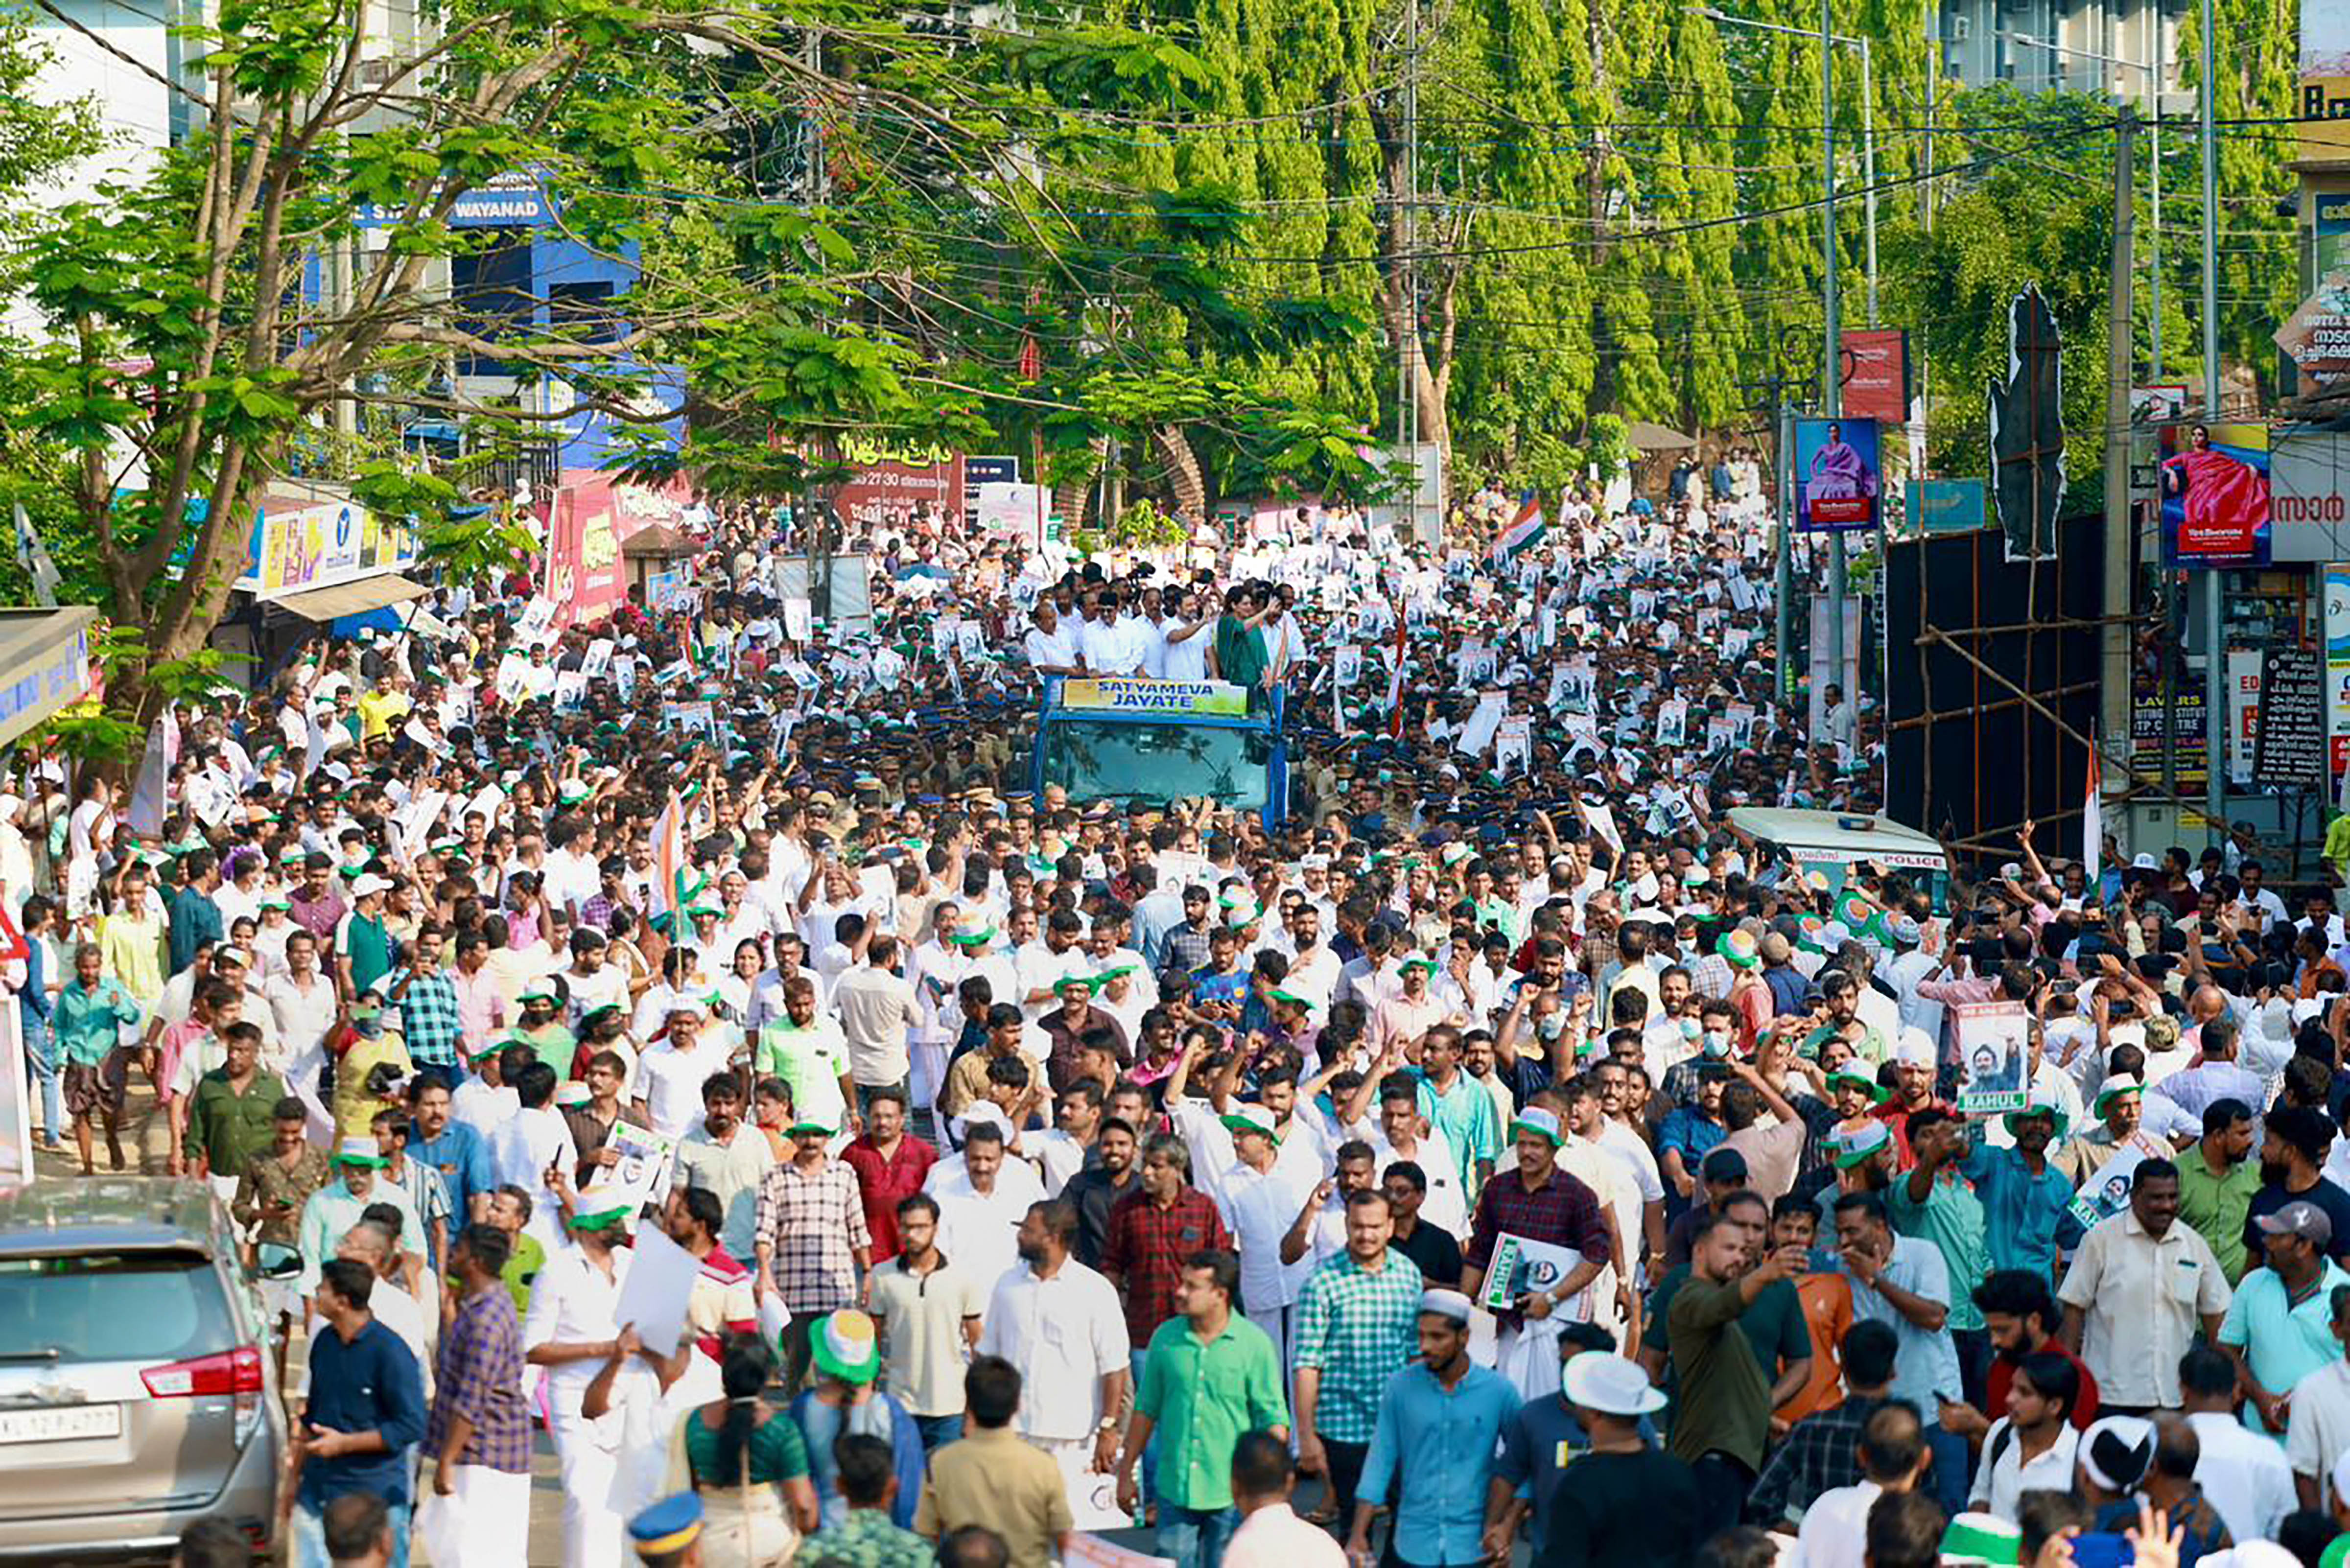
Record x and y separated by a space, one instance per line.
234 1371
237 1373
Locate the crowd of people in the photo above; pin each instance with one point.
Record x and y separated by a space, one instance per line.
1503 1142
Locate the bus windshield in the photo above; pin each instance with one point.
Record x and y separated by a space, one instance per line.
1157 761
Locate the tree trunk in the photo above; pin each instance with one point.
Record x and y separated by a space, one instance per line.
1190 484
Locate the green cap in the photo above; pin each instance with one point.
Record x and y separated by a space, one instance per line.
601 1220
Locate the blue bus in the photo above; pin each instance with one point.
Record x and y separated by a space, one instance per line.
1139 742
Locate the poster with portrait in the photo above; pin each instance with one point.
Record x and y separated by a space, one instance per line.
1995 1047
2105 1193
642 1174
1513 745
1839 474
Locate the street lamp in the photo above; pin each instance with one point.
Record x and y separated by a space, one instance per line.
2154 113
1867 122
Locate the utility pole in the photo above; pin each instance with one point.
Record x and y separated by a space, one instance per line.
2113 636
1783 612
1832 331
2215 655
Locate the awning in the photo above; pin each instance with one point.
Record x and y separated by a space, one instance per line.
352 598
1646 435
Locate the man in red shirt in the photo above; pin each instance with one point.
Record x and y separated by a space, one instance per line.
1913 1089
1152 1230
2021 1317
889 1166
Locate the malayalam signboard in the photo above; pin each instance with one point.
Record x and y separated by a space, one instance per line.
1839 474
296 548
2214 480
2317 335
1135 695
2290 751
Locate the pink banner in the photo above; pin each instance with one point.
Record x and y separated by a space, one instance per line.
584 577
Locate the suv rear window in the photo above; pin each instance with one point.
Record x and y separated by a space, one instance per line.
112 1306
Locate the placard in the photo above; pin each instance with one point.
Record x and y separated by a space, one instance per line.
1994 1040
642 1176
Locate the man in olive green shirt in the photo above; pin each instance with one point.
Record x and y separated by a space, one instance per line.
1211 1377
1722 1422
2216 1179
230 1114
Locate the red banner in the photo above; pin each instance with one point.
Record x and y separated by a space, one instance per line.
888 491
584 577
1877 375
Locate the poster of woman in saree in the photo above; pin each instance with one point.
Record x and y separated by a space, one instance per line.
1840 477
2215 502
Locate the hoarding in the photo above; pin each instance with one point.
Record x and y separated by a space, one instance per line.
299 547
1839 476
2214 480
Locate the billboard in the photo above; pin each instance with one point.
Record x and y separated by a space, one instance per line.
295 548
2214 480
2337 666
2317 335
888 479
1839 476
1877 375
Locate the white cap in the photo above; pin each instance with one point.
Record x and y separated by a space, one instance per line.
369 883
1913 1047
1446 1304
1603 1381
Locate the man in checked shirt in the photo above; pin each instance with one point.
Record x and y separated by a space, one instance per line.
479 1431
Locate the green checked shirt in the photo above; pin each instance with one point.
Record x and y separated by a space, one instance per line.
1203 1397
1359 1327
867 1539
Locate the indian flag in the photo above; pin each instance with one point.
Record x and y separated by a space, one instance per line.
678 886
1525 532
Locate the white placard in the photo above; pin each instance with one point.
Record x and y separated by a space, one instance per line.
654 1296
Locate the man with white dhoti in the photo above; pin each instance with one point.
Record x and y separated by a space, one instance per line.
571 1331
478 1510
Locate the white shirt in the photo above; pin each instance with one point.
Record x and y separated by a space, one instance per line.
1057 647
483 1107
571 1302
520 1152
1065 1335
1259 1210
1835 1527
2317 1426
980 1231
2000 1483
1274 1537
1443 1205
2246 1476
670 1081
